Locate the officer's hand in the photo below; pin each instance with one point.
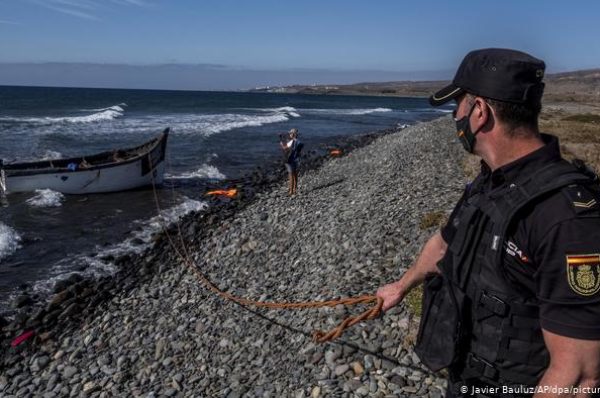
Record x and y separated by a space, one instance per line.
391 294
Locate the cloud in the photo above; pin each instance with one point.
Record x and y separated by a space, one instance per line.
78 8
74 4
6 22
73 12
139 3
85 9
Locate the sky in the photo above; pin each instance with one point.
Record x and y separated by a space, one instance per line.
305 40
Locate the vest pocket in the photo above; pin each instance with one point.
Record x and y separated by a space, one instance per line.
439 329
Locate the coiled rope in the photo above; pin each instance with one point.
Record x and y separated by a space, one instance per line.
318 335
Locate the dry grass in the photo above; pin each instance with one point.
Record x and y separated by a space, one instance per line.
579 133
413 304
471 166
413 300
433 219
583 118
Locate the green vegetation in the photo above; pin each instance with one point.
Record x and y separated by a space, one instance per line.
413 301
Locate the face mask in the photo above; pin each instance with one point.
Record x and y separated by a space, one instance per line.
463 130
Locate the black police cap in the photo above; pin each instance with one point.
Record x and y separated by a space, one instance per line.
496 73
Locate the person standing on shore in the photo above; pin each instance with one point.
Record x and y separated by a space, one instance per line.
292 149
511 302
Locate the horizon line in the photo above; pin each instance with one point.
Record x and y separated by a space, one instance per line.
233 68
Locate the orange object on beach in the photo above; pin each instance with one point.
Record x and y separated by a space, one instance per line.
230 193
335 152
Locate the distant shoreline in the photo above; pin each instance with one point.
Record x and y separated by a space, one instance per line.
579 86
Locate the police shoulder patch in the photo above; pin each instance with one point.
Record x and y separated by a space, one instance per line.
583 273
581 198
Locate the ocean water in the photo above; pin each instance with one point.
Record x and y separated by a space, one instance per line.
45 235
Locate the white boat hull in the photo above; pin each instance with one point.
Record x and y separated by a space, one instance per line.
100 173
116 178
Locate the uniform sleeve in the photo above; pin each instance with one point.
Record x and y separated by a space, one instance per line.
568 278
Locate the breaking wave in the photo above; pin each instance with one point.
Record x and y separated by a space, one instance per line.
50 155
364 111
219 123
208 125
9 241
99 115
205 171
290 110
185 124
429 110
114 107
138 241
46 198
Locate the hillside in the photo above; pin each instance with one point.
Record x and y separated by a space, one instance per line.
579 86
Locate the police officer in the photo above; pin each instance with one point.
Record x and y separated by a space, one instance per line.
511 302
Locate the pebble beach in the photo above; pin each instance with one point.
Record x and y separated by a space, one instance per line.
154 330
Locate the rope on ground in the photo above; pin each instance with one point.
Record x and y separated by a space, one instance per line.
318 335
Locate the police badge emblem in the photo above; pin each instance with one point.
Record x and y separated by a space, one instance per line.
583 273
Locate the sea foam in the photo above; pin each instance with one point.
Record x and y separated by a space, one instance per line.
181 123
99 115
50 155
114 107
141 238
205 171
290 110
358 111
208 125
219 123
9 241
138 241
46 198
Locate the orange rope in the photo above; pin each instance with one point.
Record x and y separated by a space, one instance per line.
318 335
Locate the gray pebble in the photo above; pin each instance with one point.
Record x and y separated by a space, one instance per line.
69 372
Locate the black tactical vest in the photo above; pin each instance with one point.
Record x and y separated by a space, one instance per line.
474 320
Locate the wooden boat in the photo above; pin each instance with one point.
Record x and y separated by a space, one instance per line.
110 171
